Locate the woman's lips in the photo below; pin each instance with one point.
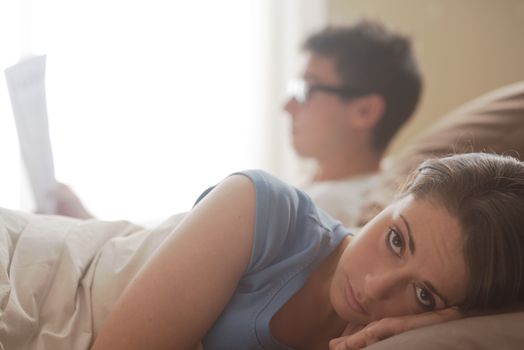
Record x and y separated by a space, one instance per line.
352 301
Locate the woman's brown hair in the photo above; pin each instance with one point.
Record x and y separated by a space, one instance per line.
485 192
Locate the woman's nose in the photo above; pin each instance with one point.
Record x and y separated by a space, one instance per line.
382 285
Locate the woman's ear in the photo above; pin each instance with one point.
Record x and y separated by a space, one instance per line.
366 111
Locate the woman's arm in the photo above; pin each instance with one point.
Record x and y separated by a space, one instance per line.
185 286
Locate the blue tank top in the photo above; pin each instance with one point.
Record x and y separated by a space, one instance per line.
292 236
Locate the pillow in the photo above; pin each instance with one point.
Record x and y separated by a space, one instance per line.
503 331
491 123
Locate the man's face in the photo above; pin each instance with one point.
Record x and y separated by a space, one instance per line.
319 124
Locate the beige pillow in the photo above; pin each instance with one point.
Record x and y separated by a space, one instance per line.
493 123
503 331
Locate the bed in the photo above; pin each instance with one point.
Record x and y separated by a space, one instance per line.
59 276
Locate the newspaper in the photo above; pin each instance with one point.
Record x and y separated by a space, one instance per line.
26 85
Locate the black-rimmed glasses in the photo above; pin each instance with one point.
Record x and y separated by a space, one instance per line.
301 90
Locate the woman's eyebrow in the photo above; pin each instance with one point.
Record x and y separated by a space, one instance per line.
411 242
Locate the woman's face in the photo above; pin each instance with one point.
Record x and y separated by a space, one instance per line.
407 260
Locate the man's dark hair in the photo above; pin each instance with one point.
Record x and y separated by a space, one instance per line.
373 58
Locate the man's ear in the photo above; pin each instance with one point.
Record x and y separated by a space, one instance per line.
366 111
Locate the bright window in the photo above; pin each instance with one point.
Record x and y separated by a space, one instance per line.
149 102
10 48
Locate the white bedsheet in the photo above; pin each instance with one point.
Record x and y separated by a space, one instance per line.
60 276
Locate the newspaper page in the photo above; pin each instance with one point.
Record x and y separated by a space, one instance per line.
26 85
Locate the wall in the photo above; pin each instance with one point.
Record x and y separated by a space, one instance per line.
465 47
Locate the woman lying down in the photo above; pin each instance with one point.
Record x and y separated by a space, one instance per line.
255 265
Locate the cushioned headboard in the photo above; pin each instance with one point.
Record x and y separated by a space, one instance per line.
492 123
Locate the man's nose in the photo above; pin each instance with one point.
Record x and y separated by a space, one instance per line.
291 106
383 284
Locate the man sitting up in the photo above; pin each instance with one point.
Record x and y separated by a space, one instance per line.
360 85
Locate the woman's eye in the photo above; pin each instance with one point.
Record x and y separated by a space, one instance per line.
425 298
395 241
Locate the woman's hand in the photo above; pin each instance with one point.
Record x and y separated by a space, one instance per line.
358 337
